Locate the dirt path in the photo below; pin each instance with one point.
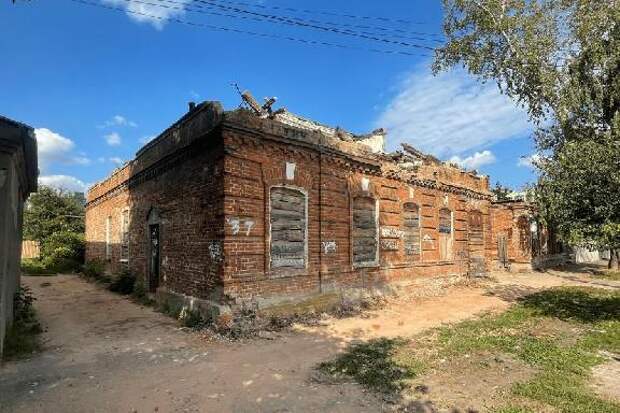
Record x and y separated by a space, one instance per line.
105 354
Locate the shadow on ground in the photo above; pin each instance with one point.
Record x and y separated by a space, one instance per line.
570 303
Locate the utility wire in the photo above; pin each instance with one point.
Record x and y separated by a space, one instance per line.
312 26
327 13
251 33
182 7
284 21
339 24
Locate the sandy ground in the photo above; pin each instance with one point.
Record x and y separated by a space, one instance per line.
103 353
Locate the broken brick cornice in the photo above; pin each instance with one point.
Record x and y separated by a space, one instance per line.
335 145
258 129
370 166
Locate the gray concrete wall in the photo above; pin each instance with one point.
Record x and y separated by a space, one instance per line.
11 206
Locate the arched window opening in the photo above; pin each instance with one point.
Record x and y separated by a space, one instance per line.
124 239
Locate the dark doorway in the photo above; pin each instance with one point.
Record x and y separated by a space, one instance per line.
154 257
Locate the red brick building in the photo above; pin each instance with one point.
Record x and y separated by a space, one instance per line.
522 243
224 207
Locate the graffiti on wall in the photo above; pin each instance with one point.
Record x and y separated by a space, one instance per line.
240 224
329 247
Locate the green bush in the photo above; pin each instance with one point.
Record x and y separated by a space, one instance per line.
124 283
191 318
140 293
63 251
35 266
22 338
94 268
49 266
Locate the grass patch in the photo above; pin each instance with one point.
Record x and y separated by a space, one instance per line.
558 333
22 338
35 266
609 275
48 267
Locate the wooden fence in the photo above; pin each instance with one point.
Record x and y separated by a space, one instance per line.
30 249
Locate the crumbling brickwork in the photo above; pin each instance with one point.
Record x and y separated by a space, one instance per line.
519 242
232 206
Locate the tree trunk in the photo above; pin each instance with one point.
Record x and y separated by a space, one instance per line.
614 259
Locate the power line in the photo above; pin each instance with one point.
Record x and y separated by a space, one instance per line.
387 30
313 26
251 33
278 20
327 13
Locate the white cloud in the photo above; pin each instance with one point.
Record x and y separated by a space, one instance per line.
474 161
116 160
82 160
113 139
529 161
451 113
55 148
146 139
69 183
150 13
118 120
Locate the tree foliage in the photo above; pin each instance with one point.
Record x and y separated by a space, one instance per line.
579 194
55 218
51 211
501 192
560 59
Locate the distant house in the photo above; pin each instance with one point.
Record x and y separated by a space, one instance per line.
18 178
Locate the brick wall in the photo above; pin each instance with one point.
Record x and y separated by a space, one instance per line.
257 160
207 182
182 186
511 221
188 199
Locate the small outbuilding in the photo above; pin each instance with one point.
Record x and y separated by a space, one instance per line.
18 178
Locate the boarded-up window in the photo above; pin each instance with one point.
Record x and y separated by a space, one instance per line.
411 224
475 243
288 228
475 226
445 234
364 231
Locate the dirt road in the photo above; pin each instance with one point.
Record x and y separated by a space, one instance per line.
103 353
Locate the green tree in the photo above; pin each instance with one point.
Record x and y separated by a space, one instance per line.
51 211
560 59
576 194
501 192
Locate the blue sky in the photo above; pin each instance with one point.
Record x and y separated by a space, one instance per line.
97 83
